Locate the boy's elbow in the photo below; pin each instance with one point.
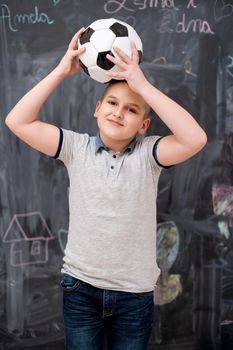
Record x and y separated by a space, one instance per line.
202 141
9 123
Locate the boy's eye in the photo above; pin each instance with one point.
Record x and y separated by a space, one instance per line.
132 110
112 102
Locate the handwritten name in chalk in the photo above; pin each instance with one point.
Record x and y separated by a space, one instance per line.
194 25
13 21
114 6
170 24
169 11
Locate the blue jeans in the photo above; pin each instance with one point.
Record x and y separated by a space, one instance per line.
91 314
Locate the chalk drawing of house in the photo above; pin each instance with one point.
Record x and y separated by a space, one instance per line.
28 236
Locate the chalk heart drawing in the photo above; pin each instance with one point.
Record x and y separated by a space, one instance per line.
223 10
28 236
62 239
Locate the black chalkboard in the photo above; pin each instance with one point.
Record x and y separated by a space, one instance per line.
188 54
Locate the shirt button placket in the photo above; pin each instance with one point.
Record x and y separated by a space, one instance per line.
113 165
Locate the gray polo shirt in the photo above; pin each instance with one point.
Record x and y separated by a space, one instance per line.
112 202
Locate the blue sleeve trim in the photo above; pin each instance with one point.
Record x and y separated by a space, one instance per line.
60 144
155 154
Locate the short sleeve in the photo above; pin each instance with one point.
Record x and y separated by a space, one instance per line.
70 144
148 145
59 144
154 152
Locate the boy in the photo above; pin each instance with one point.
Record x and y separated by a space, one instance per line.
110 260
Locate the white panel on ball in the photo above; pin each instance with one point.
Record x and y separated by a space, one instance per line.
89 56
123 44
134 37
98 74
102 40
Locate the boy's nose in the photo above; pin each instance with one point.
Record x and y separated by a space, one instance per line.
118 113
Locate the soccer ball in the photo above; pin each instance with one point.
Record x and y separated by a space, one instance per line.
99 39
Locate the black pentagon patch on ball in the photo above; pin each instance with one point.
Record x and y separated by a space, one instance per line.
140 56
103 62
84 67
119 29
85 37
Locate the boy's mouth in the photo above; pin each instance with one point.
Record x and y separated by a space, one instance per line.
114 122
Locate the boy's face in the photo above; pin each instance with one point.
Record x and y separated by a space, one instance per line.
120 115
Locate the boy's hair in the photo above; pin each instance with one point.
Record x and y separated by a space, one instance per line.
113 82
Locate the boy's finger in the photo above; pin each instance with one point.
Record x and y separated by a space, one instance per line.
117 75
74 40
79 51
122 54
135 55
117 61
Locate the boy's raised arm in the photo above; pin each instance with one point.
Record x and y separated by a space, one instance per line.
22 119
187 136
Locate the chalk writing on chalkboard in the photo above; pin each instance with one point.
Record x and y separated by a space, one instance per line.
174 17
188 54
15 20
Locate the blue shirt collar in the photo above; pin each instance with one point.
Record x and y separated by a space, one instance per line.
100 145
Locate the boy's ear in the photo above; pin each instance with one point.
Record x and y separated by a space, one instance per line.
97 107
145 126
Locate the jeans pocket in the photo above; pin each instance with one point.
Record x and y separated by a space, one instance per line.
70 283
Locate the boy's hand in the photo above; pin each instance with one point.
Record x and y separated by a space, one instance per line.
69 64
130 69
